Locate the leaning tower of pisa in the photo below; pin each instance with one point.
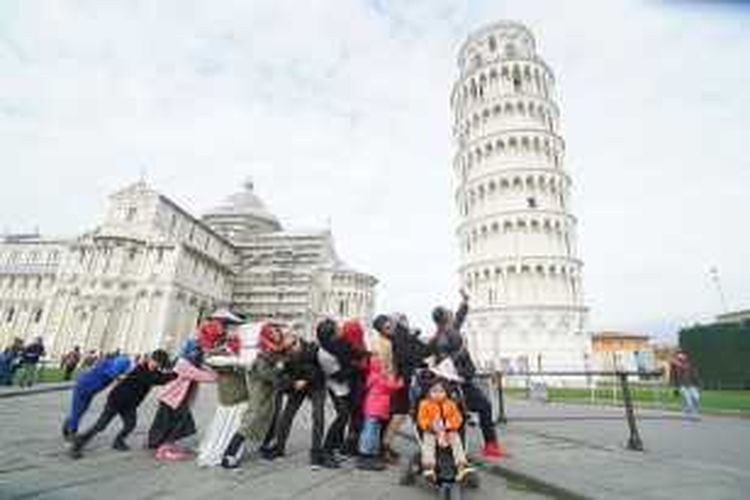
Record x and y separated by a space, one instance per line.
516 233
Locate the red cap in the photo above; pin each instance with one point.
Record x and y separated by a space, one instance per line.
354 334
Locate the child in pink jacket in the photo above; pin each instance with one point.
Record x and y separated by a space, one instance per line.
173 420
376 409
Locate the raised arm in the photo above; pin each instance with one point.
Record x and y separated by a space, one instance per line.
463 310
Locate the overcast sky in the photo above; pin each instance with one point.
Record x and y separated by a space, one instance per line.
340 110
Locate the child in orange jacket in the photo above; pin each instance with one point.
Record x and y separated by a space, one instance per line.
440 419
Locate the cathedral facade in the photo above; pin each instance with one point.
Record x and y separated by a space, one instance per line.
145 276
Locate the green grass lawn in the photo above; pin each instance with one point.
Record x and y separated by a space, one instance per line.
655 396
49 374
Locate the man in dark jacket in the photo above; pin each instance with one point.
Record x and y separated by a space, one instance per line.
300 379
30 358
124 399
339 362
448 342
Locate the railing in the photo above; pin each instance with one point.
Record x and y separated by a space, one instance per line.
634 442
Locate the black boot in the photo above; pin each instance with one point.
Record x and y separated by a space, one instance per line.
76 449
120 445
67 433
234 452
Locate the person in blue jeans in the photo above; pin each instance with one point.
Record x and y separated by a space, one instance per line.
88 385
684 378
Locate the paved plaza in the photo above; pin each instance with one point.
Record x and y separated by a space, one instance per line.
34 465
581 448
562 450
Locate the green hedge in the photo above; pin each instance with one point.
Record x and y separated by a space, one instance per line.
721 353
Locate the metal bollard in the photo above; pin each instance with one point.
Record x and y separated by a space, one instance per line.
634 441
501 418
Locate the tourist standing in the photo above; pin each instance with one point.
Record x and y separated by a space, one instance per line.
448 342
70 362
10 361
684 377
30 358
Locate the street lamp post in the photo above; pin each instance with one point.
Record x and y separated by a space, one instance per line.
717 281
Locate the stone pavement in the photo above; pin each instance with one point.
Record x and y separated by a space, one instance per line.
13 390
34 465
580 449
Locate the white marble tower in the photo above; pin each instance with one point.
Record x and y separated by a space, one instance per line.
516 233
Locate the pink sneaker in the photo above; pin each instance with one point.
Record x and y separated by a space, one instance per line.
170 452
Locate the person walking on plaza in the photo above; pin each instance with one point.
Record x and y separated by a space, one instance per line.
89 384
30 358
70 362
449 342
124 399
684 377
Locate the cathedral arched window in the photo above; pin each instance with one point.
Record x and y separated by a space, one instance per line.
492 44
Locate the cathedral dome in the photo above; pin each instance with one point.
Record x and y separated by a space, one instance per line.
245 203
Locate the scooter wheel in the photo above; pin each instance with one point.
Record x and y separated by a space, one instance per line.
472 481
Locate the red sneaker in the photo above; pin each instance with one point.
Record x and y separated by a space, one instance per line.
492 451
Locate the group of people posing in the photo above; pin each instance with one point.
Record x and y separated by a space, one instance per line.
264 373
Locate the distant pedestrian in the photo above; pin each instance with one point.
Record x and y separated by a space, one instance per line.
684 377
10 361
89 359
70 362
30 358
124 399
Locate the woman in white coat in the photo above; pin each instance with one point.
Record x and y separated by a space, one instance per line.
232 395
